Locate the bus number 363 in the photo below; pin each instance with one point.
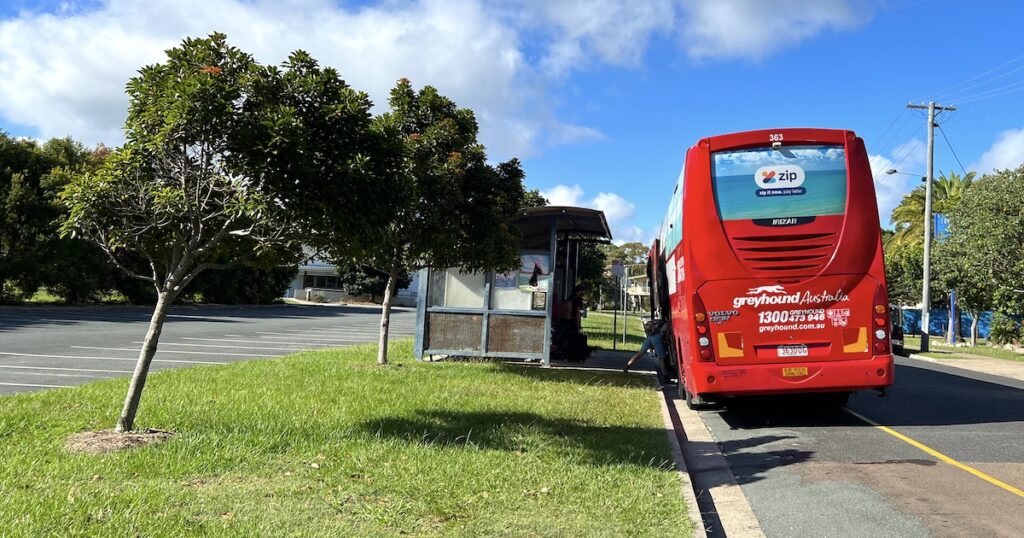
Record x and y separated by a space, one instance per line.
775 137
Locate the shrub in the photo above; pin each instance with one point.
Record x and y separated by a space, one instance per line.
1004 330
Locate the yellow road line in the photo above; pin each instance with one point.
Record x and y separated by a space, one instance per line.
931 451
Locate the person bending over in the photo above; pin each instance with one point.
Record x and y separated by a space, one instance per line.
655 342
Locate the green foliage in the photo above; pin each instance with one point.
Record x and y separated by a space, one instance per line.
981 257
452 208
629 253
32 253
244 284
903 270
183 194
311 139
590 271
359 279
533 198
908 216
1004 330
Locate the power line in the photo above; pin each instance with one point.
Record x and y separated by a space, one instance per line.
907 150
1014 87
953 151
898 116
884 143
953 96
976 77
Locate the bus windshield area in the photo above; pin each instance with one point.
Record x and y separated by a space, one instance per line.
789 182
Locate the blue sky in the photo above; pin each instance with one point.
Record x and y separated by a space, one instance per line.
599 99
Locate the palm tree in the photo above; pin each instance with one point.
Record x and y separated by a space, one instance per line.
908 217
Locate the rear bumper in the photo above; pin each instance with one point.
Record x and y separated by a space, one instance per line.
709 378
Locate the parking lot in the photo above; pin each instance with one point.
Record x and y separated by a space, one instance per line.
43 347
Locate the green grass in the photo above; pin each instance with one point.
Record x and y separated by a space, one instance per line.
940 350
326 443
598 327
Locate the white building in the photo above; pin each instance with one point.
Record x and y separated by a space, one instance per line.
317 281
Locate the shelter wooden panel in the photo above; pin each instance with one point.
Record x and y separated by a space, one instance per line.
515 334
456 332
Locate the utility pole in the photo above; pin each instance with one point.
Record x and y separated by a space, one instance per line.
931 107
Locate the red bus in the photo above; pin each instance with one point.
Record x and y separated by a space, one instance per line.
769 266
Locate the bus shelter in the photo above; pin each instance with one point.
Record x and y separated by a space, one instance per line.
509 315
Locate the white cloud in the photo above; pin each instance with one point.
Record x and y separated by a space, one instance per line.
1006 153
758 28
618 211
614 32
64 73
908 158
616 208
566 195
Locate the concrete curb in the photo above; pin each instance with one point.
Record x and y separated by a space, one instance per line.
711 478
692 509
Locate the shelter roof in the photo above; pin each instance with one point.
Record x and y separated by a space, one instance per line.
534 224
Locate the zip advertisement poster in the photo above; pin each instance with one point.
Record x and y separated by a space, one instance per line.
779 183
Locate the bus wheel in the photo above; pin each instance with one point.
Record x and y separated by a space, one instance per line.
694 402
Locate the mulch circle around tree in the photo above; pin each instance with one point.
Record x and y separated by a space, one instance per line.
104 441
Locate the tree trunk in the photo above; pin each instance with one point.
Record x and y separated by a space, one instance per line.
385 316
156 324
974 328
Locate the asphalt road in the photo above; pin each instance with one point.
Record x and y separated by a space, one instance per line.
44 347
809 472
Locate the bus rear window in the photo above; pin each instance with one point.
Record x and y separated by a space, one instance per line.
791 182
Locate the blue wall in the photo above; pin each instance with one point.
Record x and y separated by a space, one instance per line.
939 321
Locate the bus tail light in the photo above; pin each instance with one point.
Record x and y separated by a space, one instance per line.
700 319
881 322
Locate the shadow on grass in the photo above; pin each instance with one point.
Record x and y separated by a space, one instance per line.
581 376
522 433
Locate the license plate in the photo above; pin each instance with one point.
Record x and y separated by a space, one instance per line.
793 350
794 372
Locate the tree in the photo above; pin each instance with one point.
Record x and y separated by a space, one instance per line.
246 284
452 208
958 269
908 216
360 279
33 254
590 270
903 270
635 252
533 198
179 197
980 258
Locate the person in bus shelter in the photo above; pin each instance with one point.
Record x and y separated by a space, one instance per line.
655 342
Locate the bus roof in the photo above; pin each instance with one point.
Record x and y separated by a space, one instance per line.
787 136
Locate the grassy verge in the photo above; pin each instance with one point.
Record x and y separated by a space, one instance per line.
326 444
944 351
598 327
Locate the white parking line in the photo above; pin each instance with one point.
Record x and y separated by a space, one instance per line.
173 351
311 337
297 344
35 385
227 347
66 369
102 358
56 375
